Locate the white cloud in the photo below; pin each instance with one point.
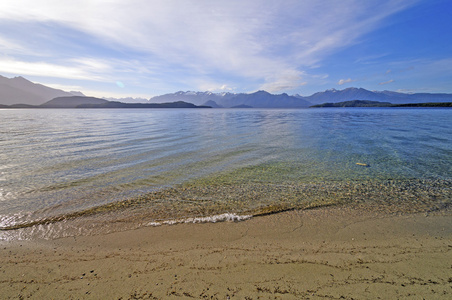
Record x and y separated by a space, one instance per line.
267 43
344 81
80 68
51 70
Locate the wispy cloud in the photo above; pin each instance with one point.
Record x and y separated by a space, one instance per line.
386 82
76 71
344 81
267 45
9 46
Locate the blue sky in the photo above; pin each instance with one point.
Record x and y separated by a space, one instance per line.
143 48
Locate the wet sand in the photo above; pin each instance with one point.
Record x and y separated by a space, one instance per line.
315 254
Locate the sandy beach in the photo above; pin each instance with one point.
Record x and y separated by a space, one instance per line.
333 253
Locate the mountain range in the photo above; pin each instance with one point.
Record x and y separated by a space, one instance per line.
264 99
350 94
259 99
19 90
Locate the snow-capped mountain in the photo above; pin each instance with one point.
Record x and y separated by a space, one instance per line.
260 99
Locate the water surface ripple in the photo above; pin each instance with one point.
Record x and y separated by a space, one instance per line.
147 165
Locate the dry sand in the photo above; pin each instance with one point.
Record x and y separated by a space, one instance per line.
329 253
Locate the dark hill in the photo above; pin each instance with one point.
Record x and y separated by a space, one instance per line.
91 102
367 103
72 102
355 103
115 104
212 104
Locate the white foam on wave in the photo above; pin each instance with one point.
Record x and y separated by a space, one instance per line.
227 217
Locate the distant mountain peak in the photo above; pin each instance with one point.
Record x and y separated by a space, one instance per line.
19 90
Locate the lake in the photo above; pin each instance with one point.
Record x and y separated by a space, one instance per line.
67 172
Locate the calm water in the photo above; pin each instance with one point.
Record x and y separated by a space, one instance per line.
66 172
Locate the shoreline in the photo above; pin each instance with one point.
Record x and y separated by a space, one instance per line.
209 200
327 252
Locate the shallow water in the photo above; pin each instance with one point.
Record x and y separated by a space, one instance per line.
64 172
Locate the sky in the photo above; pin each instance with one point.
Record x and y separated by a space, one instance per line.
144 48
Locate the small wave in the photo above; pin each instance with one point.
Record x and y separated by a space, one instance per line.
6 221
227 217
